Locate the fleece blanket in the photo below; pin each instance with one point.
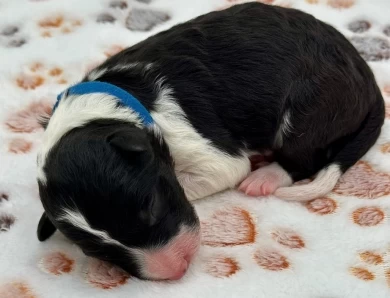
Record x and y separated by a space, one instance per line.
337 246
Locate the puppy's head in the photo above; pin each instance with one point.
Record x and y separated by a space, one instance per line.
110 187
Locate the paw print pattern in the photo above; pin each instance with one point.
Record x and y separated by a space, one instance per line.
271 260
372 265
11 37
103 275
337 4
322 206
19 145
288 238
231 227
359 26
368 216
363 181
105 18
385 148
372 48
135 19
97 273
340 4
56 263
145 19
27 119
38 74
371 257
58 24
119 4
16 290
362 273
221 267
386 30
238 230
4 197
6 221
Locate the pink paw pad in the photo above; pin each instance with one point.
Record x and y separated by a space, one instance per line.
265 181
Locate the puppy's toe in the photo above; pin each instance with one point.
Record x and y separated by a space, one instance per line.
265 181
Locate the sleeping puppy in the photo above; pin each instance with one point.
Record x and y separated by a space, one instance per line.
177 117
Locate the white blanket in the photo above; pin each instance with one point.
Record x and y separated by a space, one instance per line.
333 247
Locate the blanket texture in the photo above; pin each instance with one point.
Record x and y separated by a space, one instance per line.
336 246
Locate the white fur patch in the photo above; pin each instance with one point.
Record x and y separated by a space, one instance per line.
77 220
76 111
286 126
201 168
284 129
324 182
95 74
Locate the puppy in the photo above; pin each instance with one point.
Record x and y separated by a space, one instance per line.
176 118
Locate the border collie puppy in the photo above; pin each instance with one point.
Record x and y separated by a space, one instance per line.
177 117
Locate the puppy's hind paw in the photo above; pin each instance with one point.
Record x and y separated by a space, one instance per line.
265 181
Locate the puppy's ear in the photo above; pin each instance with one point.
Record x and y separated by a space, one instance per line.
130 139
154 211
45 228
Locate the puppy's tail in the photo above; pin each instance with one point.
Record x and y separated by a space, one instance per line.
347 156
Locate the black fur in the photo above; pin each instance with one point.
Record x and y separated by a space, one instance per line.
235 73
121 179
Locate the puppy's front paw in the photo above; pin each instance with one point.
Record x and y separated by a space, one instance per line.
265 181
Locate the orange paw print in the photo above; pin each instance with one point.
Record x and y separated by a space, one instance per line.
363 181
56 263
371 265
368 216
103 275
322 206
272 259
19 145
27 120
38 74
234 227
338 4
16 289
238 230
58 24
221 267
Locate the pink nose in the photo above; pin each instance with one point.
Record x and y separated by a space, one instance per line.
180 272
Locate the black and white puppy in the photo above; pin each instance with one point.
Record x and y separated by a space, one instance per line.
176 118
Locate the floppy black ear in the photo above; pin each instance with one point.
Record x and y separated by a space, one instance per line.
45 228
154 211
130 139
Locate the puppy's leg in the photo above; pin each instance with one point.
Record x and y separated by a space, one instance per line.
212 174
288 168
265 180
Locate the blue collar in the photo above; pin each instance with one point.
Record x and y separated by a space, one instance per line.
100 87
